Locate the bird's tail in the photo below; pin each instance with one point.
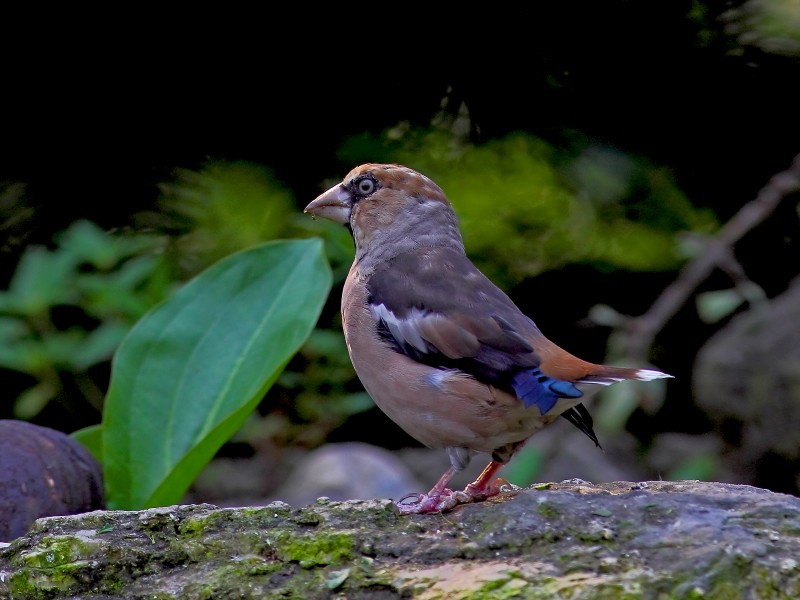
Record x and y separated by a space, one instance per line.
603 375
607 375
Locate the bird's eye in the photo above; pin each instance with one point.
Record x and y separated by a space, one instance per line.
365 186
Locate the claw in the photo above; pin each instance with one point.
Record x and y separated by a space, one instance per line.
430 503
498 486
479 493
504 486
404 500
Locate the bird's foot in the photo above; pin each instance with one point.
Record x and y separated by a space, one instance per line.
479 492
417 504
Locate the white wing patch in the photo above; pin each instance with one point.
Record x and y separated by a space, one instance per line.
428 332
403 330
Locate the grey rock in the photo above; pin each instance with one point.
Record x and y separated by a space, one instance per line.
747 376
577 540
347 471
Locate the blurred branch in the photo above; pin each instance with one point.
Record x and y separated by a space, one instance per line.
639 332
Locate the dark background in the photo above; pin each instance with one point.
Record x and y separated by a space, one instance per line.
94 117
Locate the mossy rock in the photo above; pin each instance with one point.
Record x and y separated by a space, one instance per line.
574 540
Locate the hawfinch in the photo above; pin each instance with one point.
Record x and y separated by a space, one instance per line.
439 348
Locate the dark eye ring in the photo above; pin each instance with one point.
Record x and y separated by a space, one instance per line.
365 186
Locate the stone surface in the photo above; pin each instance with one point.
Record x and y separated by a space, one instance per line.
43 472
747 377
571 540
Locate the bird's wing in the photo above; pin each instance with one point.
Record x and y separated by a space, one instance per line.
437 308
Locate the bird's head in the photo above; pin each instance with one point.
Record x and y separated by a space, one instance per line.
389 209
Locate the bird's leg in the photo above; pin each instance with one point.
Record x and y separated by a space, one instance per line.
440 498
483 487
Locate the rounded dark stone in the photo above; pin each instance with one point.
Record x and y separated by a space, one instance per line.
43 473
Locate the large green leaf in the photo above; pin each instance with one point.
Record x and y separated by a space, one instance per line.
190 372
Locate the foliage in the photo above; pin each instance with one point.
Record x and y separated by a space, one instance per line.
317 393
193 368
338 243
771 25
229 206
702 467
526 466
525 208
221 209
67 309
115 279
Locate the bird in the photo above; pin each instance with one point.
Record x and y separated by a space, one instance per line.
440 348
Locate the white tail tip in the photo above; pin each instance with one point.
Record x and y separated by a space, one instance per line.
649 375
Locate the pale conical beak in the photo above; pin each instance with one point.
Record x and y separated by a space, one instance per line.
335 204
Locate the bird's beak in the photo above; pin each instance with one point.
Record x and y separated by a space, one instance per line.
335 204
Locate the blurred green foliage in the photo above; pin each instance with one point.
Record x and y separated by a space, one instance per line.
771 25
220 209
526 466
230 206
108 281
526 208
703 467
317 392
67 309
